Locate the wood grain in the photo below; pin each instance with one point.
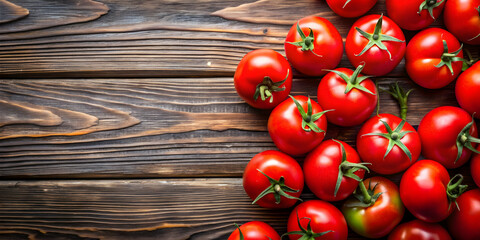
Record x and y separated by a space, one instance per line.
10 12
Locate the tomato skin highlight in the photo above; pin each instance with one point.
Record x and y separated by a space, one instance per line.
380 218
323 216
424 53
438 132
377 61
405 13
285 127
255 230
372 149
355 8
419 230
350 108
251 71
467 90
327 43
275 164
462 19
321 167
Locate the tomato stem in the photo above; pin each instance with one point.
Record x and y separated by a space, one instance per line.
308 118
278 188
429 5
401 96
307 42
266 88
455 189
354 80
447 58
306 233
464 139
366 196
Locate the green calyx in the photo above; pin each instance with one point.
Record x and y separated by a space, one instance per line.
429 5
306 233
377 38
347 169
464 139
447 58
277 188
366 197
455 189
470 60
267 87
401 96
307 42
239 232
307 118
354 80
394 138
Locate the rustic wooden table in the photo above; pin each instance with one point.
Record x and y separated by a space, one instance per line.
119 119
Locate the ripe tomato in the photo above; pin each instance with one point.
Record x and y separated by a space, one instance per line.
462 19
376 41
475 168
414 14
263 78
315 218
352 95
428 192
297 125
463 224
467 90
312 45
273 179
389 143
419 230
351 8
375 211
448 136
333 170
254 230
433 58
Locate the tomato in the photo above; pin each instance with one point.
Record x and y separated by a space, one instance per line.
254 230
448 136
414 14
428 192
351 8
352 95
273 179
376 41
467 90
475 168
316 219
433 58
375 211
297 125
333 170
312 45
419 230
464 224
389 143
263 78
462 18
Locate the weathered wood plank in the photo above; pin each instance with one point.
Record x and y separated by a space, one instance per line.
10 12
80 128
152 39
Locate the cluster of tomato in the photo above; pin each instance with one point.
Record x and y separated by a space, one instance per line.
386 144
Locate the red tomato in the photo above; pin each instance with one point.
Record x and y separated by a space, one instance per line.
427 191
448 136
375 211
377 42
462 18
333 170
475 168
390 144
263 78
317 218
254 230
467 90
419 230
414 14
312 45
297 127
352 95
464 224
273 179
351 8
433 58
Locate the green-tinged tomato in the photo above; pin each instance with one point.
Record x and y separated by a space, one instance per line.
375 209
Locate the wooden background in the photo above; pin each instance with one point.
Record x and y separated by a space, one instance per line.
119 119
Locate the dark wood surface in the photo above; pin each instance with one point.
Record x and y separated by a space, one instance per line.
119 119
